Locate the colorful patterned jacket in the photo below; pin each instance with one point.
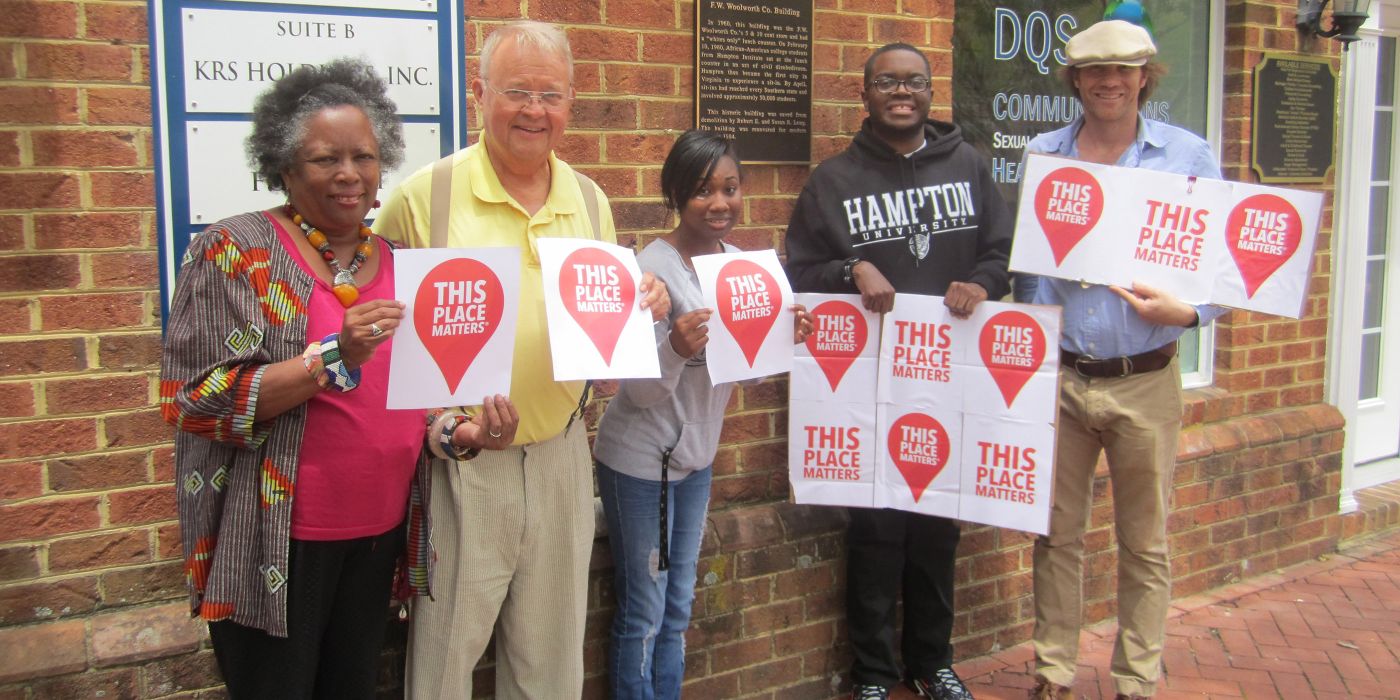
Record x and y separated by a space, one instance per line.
239 306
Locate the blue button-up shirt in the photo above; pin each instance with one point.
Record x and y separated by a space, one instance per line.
1097 322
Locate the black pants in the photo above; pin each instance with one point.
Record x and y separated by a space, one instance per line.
887 549
337 609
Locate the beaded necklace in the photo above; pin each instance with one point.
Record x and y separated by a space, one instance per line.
343 283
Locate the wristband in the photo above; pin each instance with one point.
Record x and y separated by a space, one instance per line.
441 426
315 367
342 378
848 270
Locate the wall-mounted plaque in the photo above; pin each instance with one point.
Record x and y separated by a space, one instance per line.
1295 115
753 76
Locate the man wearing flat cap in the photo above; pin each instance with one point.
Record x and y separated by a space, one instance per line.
1120 384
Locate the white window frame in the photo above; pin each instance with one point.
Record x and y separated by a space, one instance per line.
1215 91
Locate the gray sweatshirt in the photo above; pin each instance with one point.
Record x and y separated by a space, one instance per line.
681 410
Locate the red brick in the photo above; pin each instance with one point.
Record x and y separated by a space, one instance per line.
137 428
144 633
102 471
502 9
88 230
182 673
54 516
118 23
16 401
78 61
51 600
107 549
12 232
129 351
601 113
22 357
123 189
44 437
676 49
144 584
566 11
38 190
117 683
168 541
93 311
834 26
141 505
9 151
603 45
628 79
92 394
114 105
125 270
642 13
885 30
84 148
666 115
19 563
638 148
20 479
44 650
32 273
38 19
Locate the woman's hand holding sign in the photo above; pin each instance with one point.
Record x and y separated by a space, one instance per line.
689 334
365 327
655 297
801 324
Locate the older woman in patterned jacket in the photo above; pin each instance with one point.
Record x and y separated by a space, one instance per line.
296 486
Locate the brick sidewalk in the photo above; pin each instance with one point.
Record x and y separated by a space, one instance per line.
1328 629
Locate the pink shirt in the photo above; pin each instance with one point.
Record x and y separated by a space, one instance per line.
357 457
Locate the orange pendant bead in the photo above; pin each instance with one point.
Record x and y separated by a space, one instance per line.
346 293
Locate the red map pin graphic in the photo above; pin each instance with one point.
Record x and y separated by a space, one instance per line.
1262 232
838 337
598 293
1068 203
456 310
918 445
748 299
1013 348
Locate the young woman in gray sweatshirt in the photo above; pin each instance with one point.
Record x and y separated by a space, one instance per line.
657 440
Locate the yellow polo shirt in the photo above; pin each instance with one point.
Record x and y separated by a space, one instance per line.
485 216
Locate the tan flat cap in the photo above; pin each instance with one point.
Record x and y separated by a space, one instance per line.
1110 42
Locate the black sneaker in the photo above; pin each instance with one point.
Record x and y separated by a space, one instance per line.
869 692
942 685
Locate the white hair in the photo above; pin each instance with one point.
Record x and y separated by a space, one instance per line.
528 34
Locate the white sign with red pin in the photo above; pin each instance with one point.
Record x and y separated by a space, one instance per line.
920 450
457 340
1014 362
1202 240
840 358
752 326
597 328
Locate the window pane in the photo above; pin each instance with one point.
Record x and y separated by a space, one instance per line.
1370 366
1189 350
1380 220
1380 154
1385 72
1375 294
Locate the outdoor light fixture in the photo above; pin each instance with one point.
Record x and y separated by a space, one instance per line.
1347 17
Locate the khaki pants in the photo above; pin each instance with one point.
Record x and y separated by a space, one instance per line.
1136 421
513 531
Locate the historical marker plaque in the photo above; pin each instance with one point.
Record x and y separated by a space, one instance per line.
1295 110
753 76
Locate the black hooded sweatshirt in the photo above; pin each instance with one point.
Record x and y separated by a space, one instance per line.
924 221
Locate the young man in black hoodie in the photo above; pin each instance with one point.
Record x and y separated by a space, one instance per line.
908 207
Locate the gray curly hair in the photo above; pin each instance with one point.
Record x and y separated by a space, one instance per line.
280 114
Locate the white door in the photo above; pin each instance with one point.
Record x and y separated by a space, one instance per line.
1366 285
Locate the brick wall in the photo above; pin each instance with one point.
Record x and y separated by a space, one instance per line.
90 583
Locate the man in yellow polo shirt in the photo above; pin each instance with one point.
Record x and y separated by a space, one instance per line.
512 528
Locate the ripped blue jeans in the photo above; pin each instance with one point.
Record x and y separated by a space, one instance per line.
646 657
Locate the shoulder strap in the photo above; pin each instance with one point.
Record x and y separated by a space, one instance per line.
590 202
441 201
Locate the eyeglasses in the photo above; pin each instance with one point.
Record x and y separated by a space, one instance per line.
551 101
886 84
